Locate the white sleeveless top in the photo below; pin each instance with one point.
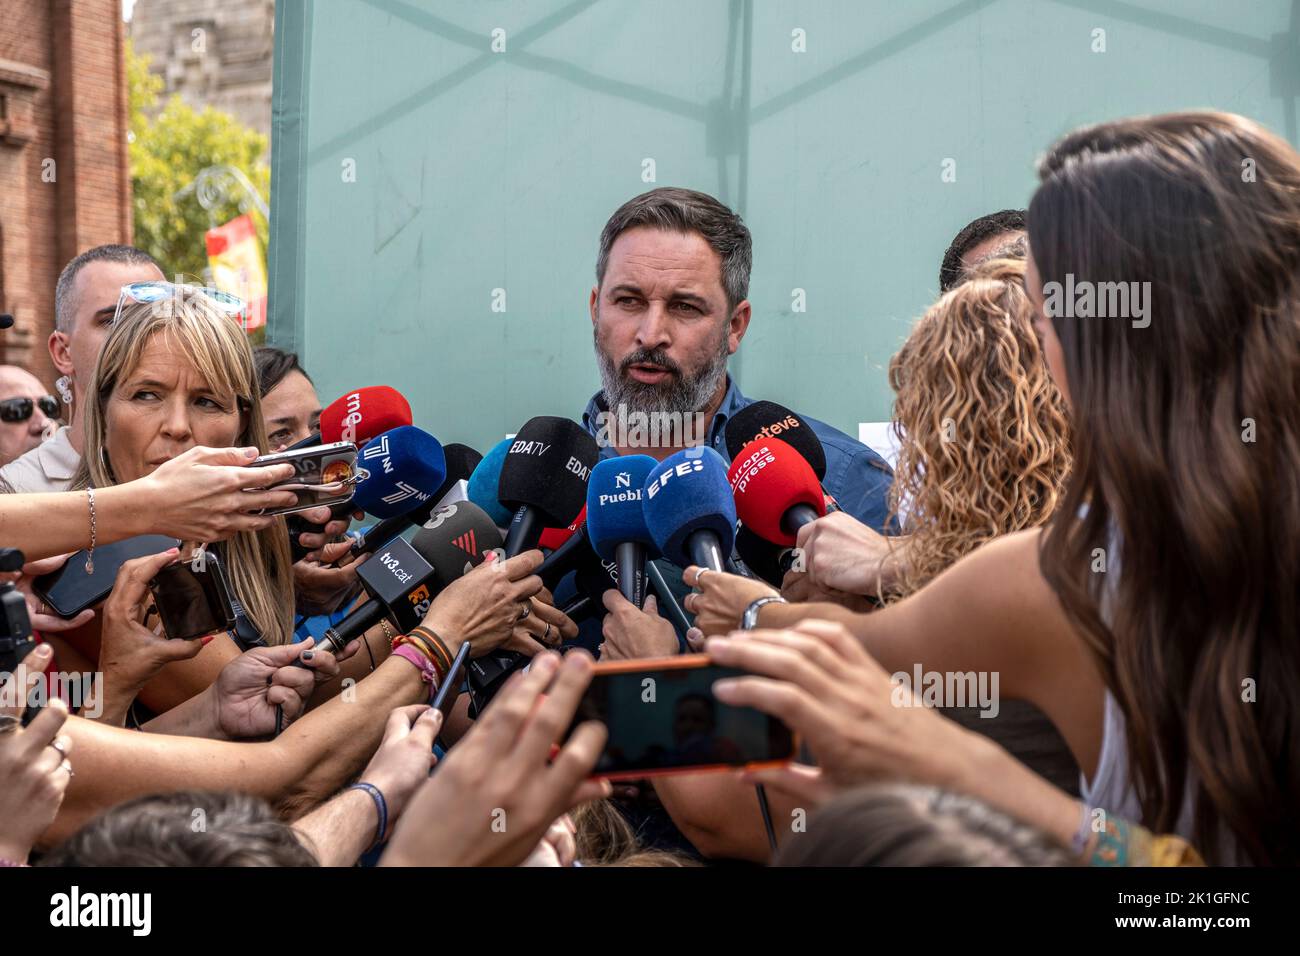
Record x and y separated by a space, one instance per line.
1111 788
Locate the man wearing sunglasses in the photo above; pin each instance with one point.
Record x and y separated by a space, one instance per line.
27 412
85 300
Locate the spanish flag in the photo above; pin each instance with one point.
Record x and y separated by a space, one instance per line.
235 257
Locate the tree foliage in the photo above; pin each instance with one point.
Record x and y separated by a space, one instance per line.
167 151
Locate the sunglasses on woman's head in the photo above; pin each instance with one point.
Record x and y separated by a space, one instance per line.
20 409
158 291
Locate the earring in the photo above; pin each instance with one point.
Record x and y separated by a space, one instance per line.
63 385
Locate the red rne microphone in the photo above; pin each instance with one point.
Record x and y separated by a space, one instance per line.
776 490
364 413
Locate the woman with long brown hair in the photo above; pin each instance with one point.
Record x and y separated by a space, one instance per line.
1155 620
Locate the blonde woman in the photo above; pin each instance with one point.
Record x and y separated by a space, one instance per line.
176 372
984 445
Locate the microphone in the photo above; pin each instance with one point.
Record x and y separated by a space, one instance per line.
770 420
616 523
776 490
564 559
403 579
368 412
399 470
689 509
460 461
553 538
361 415
544 478
767 560
484 481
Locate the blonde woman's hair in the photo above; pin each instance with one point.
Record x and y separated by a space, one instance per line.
258 563
982 428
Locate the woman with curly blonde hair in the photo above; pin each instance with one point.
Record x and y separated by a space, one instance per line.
982 429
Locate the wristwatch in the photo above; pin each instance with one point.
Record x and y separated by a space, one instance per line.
749 620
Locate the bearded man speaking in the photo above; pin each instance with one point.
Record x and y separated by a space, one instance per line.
669 307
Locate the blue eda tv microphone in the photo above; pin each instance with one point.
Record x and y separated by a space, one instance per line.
689 508
400 469
483 483
616 524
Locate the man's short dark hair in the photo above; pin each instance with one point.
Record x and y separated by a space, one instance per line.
272 365
113 252
994 224
190 828
687 211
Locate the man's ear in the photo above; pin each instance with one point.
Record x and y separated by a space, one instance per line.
60 354
592 303
738 325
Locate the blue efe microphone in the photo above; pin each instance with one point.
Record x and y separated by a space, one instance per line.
400 469
616 522
689 509
483 483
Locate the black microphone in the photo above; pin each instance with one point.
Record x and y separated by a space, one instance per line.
544 478
461 462
564 559
403 579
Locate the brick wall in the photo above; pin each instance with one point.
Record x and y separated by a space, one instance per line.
62 99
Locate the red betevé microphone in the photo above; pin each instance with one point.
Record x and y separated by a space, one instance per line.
776 490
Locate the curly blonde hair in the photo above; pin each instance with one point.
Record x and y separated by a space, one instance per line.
982 429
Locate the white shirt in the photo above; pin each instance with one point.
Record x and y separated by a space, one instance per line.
47 467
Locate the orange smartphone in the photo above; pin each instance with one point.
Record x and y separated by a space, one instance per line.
663 718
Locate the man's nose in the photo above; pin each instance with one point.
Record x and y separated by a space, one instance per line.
654 330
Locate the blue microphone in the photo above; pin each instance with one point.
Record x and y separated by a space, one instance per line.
616 523
689 508
485 480
399 470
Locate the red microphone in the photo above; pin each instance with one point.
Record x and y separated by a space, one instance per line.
363 413
552 538
776 490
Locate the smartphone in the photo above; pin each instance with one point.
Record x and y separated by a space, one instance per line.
663 718
323 475
70 590
193 603
450 688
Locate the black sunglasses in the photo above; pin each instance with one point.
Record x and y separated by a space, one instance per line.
20 409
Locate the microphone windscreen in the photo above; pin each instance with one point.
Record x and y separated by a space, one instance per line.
485 479
614 496
770 420
768 478
461 462
552 538
760 556
361 415
685 493
456 538
400 470
546 467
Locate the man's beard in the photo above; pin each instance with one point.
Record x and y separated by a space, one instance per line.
679 393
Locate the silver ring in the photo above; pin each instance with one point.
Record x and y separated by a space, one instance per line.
546 634
59 747
527 609
68 767
700 575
